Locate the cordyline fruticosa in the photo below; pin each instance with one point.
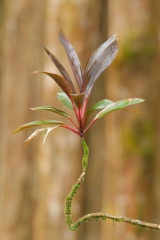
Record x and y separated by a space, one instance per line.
78 101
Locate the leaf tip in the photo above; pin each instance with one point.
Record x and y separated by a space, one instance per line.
35 72
60 32
139 100
16 131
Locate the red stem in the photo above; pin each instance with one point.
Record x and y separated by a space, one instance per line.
83 112
84 107
75 109
71 129
93 121
73 122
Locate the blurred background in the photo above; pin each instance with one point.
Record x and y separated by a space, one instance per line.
124 165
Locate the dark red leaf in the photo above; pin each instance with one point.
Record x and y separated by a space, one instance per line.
62 82
73 59
78 99
59 66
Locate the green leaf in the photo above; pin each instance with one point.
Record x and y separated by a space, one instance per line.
133 101
38 123
118 105
52 109
62 97
99 105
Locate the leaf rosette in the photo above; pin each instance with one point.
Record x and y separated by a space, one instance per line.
100 59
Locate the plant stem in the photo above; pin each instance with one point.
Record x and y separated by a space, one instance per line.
93 121
71 129
75 187
94 216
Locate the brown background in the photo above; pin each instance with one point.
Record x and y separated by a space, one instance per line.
124 169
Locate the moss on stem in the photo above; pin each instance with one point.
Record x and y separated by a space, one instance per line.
75 187
94 216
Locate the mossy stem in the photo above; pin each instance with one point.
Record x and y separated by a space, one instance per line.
94 216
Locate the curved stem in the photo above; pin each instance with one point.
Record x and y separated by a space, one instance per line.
95 216
75 187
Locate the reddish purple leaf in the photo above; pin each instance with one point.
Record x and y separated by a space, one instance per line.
98 62
73 59
59 66
78 99
62 82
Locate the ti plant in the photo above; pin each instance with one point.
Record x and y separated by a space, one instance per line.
78 101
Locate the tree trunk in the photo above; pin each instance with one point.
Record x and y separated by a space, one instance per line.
20 20
123 172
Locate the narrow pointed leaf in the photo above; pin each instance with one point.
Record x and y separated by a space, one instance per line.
98 62
99 105
52 109
62 82
95 55
73 58
62 97
118 105
59 66
135 100
48 130
34 135
38 123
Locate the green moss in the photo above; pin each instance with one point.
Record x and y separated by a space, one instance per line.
93 216
75 187
85 155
